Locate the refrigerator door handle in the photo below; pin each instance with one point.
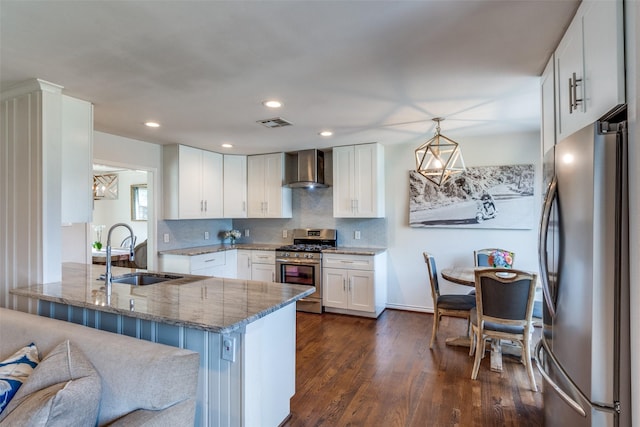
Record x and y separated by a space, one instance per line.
542 346
542 244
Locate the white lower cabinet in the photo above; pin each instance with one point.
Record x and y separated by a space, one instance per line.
354 284
263 266
256 265
218 264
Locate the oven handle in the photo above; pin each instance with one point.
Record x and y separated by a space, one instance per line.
297 261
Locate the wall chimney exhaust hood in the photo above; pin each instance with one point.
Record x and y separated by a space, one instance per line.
305 169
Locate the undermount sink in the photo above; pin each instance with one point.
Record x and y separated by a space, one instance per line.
142 279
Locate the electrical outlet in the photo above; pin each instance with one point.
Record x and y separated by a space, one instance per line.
166 237
228 348
246 233
284 234
356 235
206 235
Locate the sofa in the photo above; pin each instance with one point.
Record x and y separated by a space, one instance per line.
135 382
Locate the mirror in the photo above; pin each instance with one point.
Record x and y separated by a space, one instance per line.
139 204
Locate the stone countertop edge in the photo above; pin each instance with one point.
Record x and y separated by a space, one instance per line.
201 250
246 300
355 251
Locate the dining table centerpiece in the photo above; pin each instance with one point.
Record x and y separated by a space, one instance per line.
501 259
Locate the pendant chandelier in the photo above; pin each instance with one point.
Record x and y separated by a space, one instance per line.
439 158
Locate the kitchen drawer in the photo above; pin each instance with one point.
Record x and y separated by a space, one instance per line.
203 261
263 257
355 262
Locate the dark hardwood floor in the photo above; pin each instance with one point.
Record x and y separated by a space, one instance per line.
354 371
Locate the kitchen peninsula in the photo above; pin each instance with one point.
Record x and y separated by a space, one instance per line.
243 330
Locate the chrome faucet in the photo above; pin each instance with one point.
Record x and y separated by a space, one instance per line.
107 274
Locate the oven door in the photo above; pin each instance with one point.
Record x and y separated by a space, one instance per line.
299 272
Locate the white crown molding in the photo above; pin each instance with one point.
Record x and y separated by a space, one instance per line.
32 85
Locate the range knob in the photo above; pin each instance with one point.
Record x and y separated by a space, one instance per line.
296 255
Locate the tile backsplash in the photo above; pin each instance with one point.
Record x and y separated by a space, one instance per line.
312 208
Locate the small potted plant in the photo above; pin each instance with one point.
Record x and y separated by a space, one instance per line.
232 235
97 245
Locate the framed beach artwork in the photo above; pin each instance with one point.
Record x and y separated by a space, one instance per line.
480 197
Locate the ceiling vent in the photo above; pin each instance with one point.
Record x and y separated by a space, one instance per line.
276 122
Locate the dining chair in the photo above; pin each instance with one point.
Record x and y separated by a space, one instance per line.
504 308
140 255
445 305
481 259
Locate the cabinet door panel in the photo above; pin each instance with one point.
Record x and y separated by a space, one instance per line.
361 290
235 186
190 182
212 192
273 185
255 186
547 92
603 57
334 288
263 272
244 265
569 60
365 183
343 181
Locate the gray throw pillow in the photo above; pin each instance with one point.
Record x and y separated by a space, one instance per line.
63 390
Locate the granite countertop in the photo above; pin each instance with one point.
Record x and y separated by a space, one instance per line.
200 250
201 302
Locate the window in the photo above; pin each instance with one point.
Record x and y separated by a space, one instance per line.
139 202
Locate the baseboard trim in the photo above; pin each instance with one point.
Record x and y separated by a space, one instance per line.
410 308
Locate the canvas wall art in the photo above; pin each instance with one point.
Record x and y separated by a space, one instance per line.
480 197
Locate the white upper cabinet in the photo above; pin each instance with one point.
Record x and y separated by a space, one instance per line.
77 158
589 66
358 181
235 186
266 195
547 93
192 183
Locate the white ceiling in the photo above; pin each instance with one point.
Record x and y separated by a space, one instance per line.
368 70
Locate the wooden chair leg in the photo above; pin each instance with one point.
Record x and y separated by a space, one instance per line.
434 331
479 347
528 365
472 345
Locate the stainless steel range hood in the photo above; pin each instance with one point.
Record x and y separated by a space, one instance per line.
304 169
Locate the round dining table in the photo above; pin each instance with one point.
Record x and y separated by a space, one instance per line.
461 275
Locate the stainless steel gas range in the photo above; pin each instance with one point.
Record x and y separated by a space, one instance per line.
301 263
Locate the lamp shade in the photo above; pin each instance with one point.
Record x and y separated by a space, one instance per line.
439 158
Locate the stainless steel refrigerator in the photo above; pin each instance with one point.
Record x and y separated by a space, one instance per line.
584 355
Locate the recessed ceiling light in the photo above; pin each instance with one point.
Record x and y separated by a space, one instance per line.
227 145
325 133
152 124
272 103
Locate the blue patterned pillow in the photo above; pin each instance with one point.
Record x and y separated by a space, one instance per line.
14 371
